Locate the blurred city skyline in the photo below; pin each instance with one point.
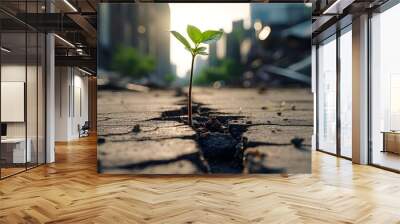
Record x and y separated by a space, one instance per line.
205 16
263 43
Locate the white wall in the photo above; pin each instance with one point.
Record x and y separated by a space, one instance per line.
33 126
12 73
70 84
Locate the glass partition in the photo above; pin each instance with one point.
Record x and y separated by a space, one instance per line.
31 97
13 94
327 95
385 89
22 78
346 93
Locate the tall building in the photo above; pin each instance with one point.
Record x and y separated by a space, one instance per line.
212 54
236 39
142 26
279 14
233 40
200 64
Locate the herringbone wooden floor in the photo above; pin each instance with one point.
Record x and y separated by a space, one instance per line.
71 191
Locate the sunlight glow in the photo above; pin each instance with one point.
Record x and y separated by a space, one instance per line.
257 25
264 33
204 16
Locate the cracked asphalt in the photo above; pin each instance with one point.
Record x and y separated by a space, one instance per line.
135 139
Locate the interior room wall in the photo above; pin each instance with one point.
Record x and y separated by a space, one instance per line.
18 73
14 73
80 109
70 83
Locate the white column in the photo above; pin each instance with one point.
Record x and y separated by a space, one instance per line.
50 93
360 90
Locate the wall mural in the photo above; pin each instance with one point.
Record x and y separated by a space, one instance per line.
204 88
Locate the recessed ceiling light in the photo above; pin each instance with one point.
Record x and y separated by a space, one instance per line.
333 6
84 71
5 50
64 40
70 5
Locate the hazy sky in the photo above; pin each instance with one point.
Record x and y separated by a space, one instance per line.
204 16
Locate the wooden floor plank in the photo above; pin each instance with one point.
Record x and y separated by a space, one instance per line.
71 191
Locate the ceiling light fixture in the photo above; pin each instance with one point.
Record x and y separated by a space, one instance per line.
84 71
70 5
5 50
331 7
65 41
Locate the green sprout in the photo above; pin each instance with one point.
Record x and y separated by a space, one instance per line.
197 38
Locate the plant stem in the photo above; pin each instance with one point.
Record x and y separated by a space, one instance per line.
189 105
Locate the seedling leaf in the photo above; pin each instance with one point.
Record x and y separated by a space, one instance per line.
201 49
202 53
182 39
211 36
194 34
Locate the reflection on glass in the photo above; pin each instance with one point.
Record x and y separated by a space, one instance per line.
385 84
22 93
346 94
14 151
327 96
31 101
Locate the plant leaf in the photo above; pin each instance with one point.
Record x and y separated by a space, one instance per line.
211 35
194 34
182 39
202 53
201 49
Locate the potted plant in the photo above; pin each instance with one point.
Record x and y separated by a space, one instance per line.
198 38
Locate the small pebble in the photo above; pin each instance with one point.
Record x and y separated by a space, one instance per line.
262 90
279 113
297 142
264 108
136 128
101 140
293 107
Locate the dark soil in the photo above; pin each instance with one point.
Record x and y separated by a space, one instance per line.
218 135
